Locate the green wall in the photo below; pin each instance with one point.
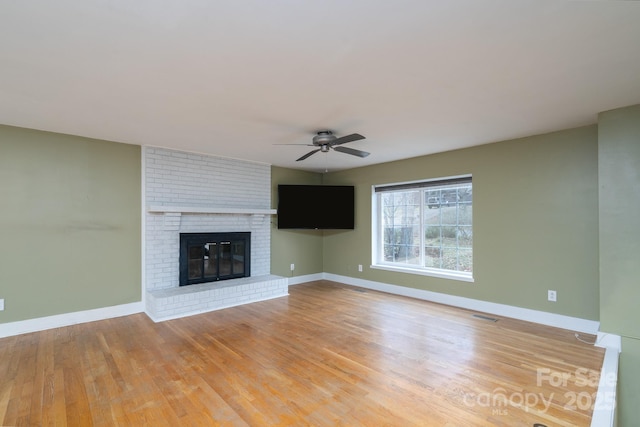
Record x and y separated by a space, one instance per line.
619 186
535 220
300 247
556 211
70 223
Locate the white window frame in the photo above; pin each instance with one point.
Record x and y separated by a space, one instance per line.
377 242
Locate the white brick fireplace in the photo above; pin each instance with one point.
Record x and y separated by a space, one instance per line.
194 193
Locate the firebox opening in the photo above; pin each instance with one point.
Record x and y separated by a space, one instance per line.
209 257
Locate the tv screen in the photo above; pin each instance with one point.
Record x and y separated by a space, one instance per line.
319 207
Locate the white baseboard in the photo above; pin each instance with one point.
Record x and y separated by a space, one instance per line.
67 319
606 340
535 316
604 407
306 278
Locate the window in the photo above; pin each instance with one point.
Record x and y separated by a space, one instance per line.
425 227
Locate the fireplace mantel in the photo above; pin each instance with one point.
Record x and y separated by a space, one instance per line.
209 210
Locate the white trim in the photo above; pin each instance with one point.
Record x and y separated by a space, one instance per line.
535 316
420 181
209 210
377 233
606 340
529 315
604 407
306 278
68 319
443 274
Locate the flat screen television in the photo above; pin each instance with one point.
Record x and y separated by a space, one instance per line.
321 207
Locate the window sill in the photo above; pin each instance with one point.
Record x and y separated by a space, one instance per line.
424 272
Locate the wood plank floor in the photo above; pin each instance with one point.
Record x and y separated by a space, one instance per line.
327 355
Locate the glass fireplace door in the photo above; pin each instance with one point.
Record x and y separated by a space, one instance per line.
208 257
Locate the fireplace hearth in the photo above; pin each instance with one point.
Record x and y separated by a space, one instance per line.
211 257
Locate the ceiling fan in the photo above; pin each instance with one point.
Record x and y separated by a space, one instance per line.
325 140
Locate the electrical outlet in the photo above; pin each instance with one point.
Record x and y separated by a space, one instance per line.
551 295
360 268
1 304
293 267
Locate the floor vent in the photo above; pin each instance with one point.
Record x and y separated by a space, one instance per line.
480 316
360 290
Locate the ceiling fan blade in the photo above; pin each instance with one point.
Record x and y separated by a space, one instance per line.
347 138
310 153
306 145
351 151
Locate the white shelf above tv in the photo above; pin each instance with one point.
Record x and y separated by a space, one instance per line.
209 210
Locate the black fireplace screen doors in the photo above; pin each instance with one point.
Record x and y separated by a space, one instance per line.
209 257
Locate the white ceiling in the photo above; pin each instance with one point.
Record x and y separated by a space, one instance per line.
233 78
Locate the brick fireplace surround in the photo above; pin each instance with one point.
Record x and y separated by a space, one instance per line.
194 193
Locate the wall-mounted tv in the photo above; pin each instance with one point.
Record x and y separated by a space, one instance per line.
322 207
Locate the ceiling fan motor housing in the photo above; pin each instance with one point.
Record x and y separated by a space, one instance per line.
325 140
322 138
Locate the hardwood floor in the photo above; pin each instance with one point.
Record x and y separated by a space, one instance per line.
328 354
